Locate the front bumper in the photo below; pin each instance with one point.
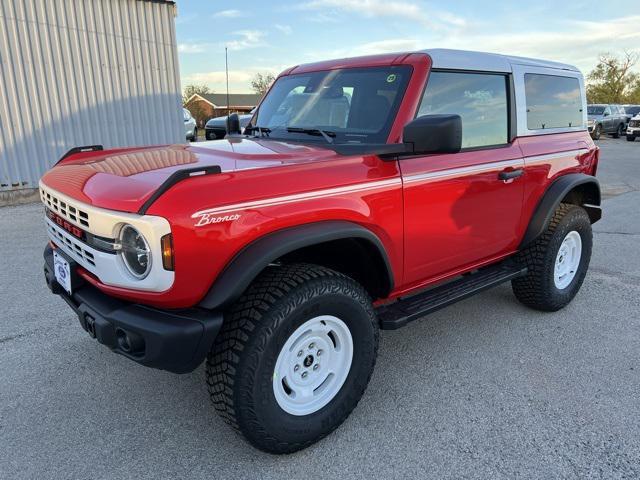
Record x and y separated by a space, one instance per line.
633 131
177 341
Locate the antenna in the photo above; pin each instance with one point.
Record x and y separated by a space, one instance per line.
226 68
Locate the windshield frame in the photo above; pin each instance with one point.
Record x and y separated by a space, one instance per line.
340 138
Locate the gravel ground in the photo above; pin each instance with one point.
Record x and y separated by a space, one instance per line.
483 389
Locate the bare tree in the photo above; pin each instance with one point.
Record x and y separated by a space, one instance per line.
613 81
193 89
261 82
195 107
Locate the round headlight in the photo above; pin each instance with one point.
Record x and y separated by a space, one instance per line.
135 252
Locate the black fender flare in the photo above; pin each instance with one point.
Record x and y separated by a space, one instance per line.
551 199
247 264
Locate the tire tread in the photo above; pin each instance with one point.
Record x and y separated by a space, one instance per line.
223 361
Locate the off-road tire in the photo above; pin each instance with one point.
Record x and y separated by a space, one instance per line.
537 288
240 365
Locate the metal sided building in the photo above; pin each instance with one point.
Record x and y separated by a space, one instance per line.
83 72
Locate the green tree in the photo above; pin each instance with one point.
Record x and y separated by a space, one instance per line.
261 82
634 94
613 80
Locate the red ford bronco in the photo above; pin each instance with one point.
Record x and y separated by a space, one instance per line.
364 194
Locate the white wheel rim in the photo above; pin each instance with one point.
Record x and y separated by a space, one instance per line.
313 365
568 260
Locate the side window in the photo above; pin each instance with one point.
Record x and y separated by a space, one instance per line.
607 111
552 101
480 99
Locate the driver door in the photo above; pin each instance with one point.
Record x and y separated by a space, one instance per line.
607 120
459 213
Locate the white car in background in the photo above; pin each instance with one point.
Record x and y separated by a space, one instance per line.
633 129
190 128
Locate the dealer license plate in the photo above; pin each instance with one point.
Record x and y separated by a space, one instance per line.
62 271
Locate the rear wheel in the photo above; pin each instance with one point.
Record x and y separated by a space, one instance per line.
294 356
557 262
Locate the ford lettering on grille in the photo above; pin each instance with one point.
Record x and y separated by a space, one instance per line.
64 224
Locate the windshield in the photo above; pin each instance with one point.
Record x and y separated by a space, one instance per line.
595 110
632 110
353 105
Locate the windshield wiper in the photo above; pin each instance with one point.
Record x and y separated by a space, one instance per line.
314 131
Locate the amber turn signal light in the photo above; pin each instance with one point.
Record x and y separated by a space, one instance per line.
166 243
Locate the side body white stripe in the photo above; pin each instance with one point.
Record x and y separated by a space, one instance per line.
554 156
269 202
463 171
363 187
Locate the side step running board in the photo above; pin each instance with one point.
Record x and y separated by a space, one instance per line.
398 314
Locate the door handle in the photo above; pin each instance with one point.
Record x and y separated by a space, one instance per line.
506 175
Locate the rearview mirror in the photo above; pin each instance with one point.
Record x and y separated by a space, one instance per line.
440 133
233 124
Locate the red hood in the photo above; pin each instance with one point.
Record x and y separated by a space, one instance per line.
124 179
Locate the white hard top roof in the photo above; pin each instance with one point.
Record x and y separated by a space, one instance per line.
493 62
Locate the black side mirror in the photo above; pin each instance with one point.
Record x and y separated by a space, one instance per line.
434 134
233 124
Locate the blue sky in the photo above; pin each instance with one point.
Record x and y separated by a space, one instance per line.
269 36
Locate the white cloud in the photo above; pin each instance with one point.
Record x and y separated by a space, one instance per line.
286 29
370 48
239 79
228 14
193 47
437 20
577 42
247 39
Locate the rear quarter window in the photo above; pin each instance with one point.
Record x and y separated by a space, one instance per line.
552 101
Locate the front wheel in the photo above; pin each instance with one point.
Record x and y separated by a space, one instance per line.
631 138
619 131
557 262
597 131
294 356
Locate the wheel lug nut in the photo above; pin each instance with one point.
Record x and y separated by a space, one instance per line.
315 367
300 353
296 368
311 345
304 374
320 352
